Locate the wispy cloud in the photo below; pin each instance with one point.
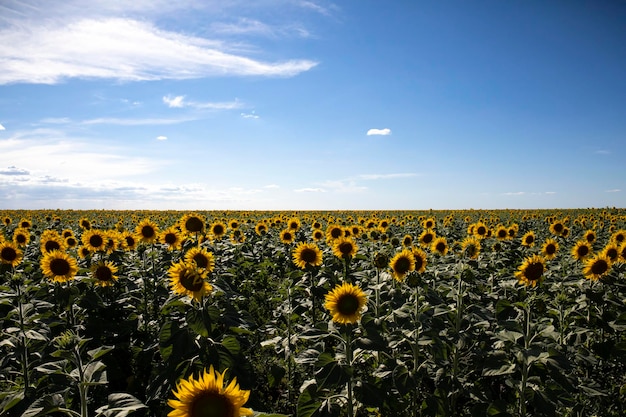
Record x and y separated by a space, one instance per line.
137 122
515 193
247 26
181 102
614 190
251 115
2 127
309 190
123 49
379 132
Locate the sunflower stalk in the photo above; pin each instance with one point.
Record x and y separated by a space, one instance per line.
349 353
25 364
416 336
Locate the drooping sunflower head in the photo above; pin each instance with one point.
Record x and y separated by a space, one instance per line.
104 273
307 255
192 223
420 259
581 249
147 231
83 252
381 260
407 241
187 279
402 263
530 273
237 236
345 303
344 247
470 247
202 259
596 266
208 396
58 266
549 249
10 254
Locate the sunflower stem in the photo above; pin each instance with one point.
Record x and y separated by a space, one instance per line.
348 342
416 324
25 364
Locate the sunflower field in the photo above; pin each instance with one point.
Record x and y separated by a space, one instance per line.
313 314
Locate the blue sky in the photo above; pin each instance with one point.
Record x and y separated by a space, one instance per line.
312 105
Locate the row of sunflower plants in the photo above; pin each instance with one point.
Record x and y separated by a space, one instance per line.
313 314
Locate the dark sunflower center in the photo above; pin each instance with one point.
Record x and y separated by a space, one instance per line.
402 265
407 241
308 255
96 241
287 236
599 267
194 224
533 271
59 266
590 237
502 234
147 231
201 260
429 225
345 248
529 239
418 263
218 229
51 245
212 404
130 241
104 273
335 233
8 254
190 280
551 249
481 230
612 253
348 304
293 225
71 241
440 247
427 238
20 239
558 227
582 251
619 238
318 235
170 238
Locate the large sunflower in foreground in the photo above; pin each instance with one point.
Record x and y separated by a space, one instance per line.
192 223
10 254
596 267
58 266
202 259
344 247
207 396
530 272
307 255
94 240
187 279
402 263
104 273
345 303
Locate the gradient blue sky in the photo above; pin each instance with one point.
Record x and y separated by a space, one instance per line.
312 104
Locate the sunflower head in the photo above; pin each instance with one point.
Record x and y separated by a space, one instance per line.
147 231
402 263
21 237
549 249
94 240
597 266
345 303
307 255
172 238
528 239
208 396
287 236
104 273
187 279
344 247
192 223
58 266
381 260
470 247
202 259
10 254
530 273
217 230
440 246
581 249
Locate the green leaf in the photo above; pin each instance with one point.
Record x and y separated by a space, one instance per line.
196 322
99 352
232 345
308 404
120 405
47 405
497 363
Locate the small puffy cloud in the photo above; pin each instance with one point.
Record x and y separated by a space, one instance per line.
176 102
2 127
379 132
515 193
310 190
161 137
251 115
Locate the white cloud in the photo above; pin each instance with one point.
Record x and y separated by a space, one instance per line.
515 193
161 137
271 186
49 51
251 115
247 26
180 102
614 190
381 132
310 190
2 127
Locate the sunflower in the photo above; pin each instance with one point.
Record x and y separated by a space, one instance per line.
237 236
611 251
172 238
147 231
429 223
619 236
112 241
217 230
581 249
104 273
334 232
557 228
317 235
345 303
307 255
381 260
480 230
344 247
407 241
502 233
129 240
420 259
549 249
287 236
590 236
529 238
7 220
233 224
426 237
94 240
25 223
10 254
207 396
21 237
202 259
470 246
402 263
596 267
71 242
84 252
294 224
530 272
50 240
439 245
192 223
260 228
186 279
622 253
58 266
84 224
